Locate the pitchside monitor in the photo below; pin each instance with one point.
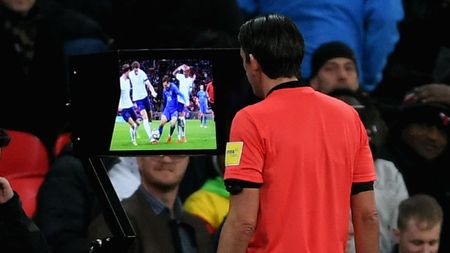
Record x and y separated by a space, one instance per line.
196 94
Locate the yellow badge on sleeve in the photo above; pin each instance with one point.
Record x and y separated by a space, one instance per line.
233 153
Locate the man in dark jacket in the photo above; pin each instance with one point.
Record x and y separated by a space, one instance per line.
155 211
418 144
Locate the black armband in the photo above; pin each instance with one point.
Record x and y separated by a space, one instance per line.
235 186
362 187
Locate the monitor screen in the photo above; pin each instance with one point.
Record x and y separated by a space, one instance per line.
171 101
173 110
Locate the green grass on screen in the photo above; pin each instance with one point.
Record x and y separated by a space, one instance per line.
197 138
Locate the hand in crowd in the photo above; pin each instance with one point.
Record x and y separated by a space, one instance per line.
6 192
433 93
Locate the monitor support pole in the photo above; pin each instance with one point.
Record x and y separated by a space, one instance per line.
115 216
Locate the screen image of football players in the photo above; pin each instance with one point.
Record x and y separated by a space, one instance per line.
140 83
170 105
203 105
186 78
126 106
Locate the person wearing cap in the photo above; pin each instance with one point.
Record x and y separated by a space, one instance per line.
18 233
418 146
333 66
369 27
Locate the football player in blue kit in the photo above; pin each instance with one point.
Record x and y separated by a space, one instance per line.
170 103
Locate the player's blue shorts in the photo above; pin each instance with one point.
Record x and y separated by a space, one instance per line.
128 113
170 112
204 107
144 104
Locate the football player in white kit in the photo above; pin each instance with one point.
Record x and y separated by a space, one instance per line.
126 106
186 80
140 83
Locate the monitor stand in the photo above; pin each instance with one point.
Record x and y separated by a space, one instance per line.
116 218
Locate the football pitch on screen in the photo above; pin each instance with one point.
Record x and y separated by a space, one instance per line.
198 138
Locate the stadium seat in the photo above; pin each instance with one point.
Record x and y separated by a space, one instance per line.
25 163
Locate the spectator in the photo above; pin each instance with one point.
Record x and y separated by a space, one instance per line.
18 233
334 66
211 201
334 72
34 39
390 188
198 171
330 72
408 67
125 177
435 91
418 146
368 27
155 206
439 90
67 203
419 225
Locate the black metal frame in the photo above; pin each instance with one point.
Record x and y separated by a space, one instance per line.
115 216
